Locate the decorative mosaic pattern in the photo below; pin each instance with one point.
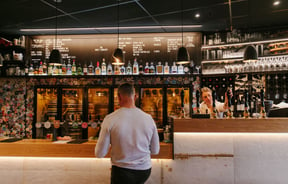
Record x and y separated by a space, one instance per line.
13 108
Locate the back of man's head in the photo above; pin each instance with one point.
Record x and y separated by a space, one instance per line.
126 89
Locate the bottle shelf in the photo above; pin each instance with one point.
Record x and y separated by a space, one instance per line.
243 43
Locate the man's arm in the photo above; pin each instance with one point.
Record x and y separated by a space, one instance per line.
154 145
103 143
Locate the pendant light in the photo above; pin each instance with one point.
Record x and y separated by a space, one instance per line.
118 58
182 55
250 54
55 57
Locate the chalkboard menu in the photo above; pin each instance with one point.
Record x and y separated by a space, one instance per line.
148 47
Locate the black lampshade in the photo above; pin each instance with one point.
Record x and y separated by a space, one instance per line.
183 56
55 57
118 57
250 54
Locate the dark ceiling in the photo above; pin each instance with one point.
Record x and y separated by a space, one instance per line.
215 15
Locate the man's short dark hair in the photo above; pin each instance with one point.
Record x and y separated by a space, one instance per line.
126 89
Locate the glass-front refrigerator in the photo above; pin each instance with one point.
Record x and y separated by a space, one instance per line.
98 108
174 102
46 111
72 112
151 101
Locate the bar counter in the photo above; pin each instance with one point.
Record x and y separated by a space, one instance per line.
47 148
235 125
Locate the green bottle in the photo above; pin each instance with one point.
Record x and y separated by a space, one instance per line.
79 70
74 72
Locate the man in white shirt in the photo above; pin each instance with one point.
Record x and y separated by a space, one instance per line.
133 137
206 107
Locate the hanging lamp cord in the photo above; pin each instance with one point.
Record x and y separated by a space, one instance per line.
182 21
118 5
56 25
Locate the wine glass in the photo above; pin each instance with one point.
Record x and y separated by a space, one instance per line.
197 67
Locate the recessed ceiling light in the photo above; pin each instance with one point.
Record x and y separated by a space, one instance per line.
197 15
275 3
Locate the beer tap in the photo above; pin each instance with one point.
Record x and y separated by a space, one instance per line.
229 96
246 105
214 113
262 110
197 101
182 113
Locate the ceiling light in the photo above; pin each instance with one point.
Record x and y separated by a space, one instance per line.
250 54
276 3
197 15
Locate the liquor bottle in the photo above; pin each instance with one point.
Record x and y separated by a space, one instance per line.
122 70
246 113
26 69
55 70
109 69
141 69
146 69
129 69
174 68
69 68
91 69
159 68
103 67
59 69
85 69
36 69
79 70
187 70
45 68
167 134
64 69
135 67
40 70
97 69
151 69
50 69
31 70
166 68
117 70
74 71
180 69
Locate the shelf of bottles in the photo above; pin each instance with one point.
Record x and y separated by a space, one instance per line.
221 56
104 68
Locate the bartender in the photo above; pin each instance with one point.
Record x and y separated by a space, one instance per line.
206 106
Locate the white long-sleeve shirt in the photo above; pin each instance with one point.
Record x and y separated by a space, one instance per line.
219 106
133 136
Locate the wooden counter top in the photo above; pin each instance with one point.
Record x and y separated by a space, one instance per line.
46 148
269 125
